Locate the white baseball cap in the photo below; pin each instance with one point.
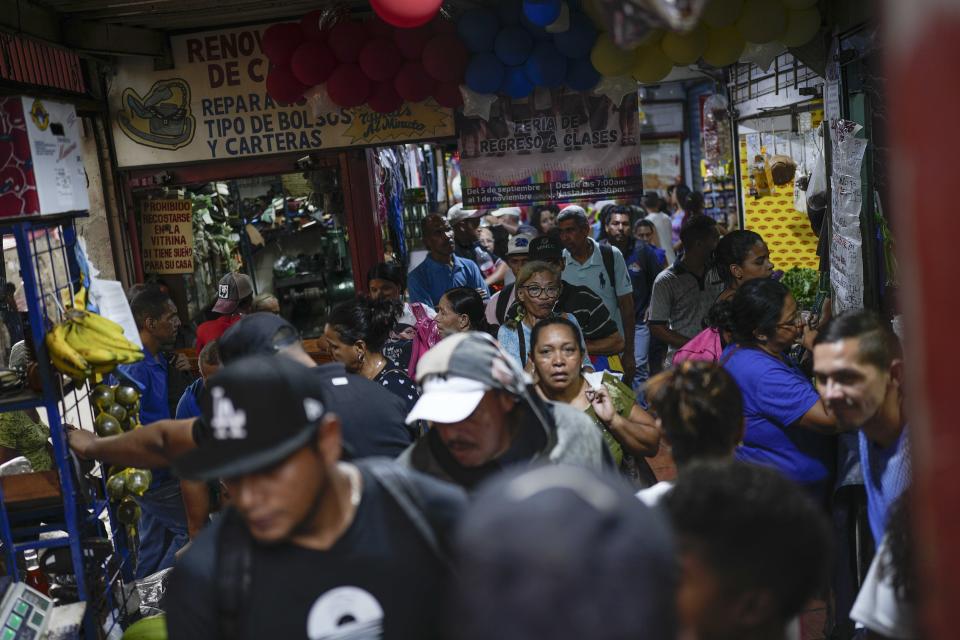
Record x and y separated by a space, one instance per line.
506 211
519 245
447 400
457 213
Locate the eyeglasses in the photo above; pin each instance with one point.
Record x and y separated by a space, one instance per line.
536 291
792 323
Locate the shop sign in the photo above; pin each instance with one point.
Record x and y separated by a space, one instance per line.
213 105
583 148
167 236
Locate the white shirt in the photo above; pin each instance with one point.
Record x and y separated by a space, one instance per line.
664 226
651 496
878 608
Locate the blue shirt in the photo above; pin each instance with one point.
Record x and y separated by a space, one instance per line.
150 376
189 404
886 474
431 279
775 397
509 341
642 267
593 275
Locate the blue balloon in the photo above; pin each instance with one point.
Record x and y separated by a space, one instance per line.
478 29
484 73
581 76
516 84
513 46
546 67
510 12
578 40
541 12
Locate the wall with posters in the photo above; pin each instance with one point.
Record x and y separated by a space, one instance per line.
214 105
582 147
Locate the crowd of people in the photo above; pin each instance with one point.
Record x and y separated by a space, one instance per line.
475 460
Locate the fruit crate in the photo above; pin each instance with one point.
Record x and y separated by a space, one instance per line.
77 523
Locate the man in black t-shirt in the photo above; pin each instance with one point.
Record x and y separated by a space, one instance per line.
311 547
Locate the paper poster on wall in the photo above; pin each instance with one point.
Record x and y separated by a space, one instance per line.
661 163
583 147
167 236
213 105
846 246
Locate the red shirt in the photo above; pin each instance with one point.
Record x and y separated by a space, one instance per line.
212 329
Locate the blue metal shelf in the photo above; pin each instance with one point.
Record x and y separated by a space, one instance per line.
49 268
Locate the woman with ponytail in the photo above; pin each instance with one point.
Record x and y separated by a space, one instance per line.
356 332
741 256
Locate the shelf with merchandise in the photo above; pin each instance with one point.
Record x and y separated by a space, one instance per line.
69 510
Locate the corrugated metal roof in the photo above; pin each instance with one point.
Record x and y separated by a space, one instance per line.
30 61
174 15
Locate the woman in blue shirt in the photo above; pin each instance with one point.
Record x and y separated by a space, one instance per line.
787 424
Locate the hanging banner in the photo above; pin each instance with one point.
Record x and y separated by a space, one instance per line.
167 236
846 246
213 105
584 148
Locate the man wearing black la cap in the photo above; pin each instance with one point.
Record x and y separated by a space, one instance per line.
372 417
311 547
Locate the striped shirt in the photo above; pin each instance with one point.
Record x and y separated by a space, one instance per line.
682 301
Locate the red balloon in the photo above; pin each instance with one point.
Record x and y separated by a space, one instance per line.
385 98
347 86
406 13
347 39
377 28
447 94
280 41
310 25
413 83
412 41
380 60
283 86
313 63
445 58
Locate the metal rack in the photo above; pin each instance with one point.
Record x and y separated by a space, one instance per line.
51 275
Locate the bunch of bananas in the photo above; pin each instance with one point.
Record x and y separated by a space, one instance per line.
85 344
10 380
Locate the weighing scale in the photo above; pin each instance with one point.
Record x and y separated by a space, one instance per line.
24 612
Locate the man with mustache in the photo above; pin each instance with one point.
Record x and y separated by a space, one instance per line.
485 416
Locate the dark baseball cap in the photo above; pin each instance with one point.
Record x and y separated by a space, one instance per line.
247 431
565 553
261 333
231 289
545 248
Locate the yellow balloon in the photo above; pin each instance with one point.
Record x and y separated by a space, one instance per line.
654 36
595 13
609 59
762 21
799 4
802 27
724 46
650 65
722 13
685 48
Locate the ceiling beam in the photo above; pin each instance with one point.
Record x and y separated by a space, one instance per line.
27 18
100 37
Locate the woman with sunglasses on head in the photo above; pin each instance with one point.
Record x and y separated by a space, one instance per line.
538 288
787 424
630 432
